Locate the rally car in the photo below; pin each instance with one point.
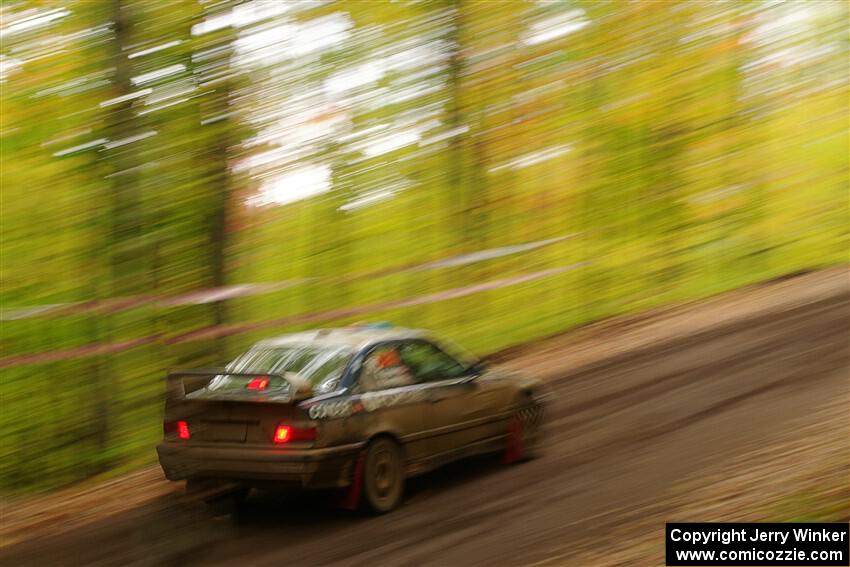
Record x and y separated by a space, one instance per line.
359 408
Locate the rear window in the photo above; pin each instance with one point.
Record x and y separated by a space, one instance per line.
321 366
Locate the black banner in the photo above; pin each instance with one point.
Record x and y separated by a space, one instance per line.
757 544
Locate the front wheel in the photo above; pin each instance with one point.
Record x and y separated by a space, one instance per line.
383 476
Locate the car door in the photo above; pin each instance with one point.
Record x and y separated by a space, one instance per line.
453 416
391 400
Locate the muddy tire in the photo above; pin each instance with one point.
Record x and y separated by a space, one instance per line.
383 476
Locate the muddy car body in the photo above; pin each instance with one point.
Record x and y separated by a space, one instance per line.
361 408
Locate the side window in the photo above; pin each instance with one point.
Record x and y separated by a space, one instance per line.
428 362
384 368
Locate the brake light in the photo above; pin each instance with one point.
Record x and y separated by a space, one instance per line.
183 430
286 433
258 383
282 434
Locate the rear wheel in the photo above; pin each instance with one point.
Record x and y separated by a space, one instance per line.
383 475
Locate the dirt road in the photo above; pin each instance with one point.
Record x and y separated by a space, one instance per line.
626 426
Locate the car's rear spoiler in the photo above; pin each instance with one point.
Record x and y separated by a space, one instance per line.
179 383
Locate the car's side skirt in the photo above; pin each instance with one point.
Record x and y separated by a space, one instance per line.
490 445
454 428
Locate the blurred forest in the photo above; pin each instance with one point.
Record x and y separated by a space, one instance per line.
182 178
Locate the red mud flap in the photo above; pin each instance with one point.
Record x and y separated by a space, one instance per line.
351 500
513 442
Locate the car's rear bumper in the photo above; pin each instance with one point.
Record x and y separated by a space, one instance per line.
309 468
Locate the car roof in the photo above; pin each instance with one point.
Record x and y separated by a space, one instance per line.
355 337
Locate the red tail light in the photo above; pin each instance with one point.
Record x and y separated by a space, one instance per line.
286 433
282 434
258 384
181 428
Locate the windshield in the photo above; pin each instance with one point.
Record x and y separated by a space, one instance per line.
322 366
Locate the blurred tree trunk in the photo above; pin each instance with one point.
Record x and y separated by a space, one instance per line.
127 258
222 191
467 184
219 132
121 227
